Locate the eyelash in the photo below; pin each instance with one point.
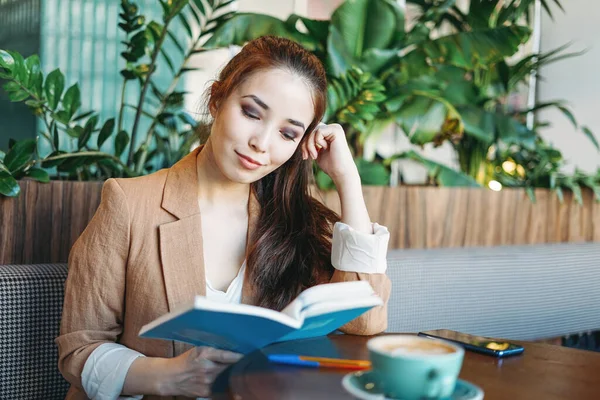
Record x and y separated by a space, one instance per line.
254 117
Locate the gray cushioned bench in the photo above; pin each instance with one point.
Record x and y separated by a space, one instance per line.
530 292
514 292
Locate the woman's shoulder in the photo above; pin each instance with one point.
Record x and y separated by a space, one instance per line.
136 190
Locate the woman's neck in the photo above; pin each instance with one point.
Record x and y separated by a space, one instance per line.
214 187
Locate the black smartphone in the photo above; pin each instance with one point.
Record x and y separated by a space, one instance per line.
479 344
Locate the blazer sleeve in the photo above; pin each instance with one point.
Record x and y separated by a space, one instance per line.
95 286
361 256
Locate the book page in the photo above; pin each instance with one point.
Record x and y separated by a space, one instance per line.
329 293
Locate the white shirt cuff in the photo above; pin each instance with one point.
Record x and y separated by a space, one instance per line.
104 372
355 251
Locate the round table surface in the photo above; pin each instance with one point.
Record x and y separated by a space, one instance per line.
543 371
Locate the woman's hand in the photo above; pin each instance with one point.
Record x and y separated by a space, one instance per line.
328 146
192 373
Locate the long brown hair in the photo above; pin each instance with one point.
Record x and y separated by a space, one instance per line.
291 246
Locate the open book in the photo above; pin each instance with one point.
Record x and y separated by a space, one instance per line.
317 311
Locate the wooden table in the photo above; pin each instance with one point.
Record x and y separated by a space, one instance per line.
543 372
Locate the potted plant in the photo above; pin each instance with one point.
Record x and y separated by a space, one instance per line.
84 148
435 89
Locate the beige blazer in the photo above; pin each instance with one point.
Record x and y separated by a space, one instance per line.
140 257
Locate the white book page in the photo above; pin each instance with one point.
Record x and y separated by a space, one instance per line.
348 293
339 305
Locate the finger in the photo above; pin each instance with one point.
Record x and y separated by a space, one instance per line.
310 145
207 378
303 148
320 142
222 356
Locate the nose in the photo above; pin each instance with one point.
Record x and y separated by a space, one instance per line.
259 141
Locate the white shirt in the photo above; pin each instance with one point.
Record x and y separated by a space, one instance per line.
104 372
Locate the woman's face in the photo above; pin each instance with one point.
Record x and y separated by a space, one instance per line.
259 126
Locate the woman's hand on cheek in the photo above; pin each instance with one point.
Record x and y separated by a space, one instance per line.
328 146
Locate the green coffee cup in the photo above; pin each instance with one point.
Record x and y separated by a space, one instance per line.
410 367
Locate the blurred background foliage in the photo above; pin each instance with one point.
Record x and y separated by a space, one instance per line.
445 77
77 139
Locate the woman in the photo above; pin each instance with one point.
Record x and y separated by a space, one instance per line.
233 221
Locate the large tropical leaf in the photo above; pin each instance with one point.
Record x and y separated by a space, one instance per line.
354 98
244 27
521 70
486 126
366 33
426 117
478 123
443 175
476 49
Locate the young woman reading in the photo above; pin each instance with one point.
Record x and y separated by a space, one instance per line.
233 221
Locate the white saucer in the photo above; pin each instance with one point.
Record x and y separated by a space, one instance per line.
359 385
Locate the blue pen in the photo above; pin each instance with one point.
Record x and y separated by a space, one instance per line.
318 362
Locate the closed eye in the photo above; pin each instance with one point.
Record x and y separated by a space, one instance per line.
289 136
249 113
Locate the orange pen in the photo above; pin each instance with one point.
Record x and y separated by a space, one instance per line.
318 362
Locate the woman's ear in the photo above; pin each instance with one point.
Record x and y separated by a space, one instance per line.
212 108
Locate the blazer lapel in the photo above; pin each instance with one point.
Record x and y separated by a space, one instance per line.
181 241
181 248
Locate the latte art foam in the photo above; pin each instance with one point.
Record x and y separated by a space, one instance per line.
418 348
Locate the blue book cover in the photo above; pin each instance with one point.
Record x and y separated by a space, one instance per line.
242 328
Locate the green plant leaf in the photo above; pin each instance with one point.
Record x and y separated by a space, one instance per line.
35 81
19 71
8 185
38 174
568 114
444 175
49 163
168 60
575 188
177 6
20 153
176 42
421 119
369 24
121 142
88 128
6 60
590 135
62 116
106 131
82 116
243 27
372 173
18 96
339 60
318 29
75 131
185 24
479 123
55 135
72 101
511 131
323 181
477 48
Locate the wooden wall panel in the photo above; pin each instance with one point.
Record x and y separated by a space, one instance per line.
42 223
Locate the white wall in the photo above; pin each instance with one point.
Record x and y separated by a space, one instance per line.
575 80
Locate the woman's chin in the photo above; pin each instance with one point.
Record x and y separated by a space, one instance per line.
242 176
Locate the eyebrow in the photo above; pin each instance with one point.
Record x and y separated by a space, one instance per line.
266 107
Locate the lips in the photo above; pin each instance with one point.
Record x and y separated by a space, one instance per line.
248 162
